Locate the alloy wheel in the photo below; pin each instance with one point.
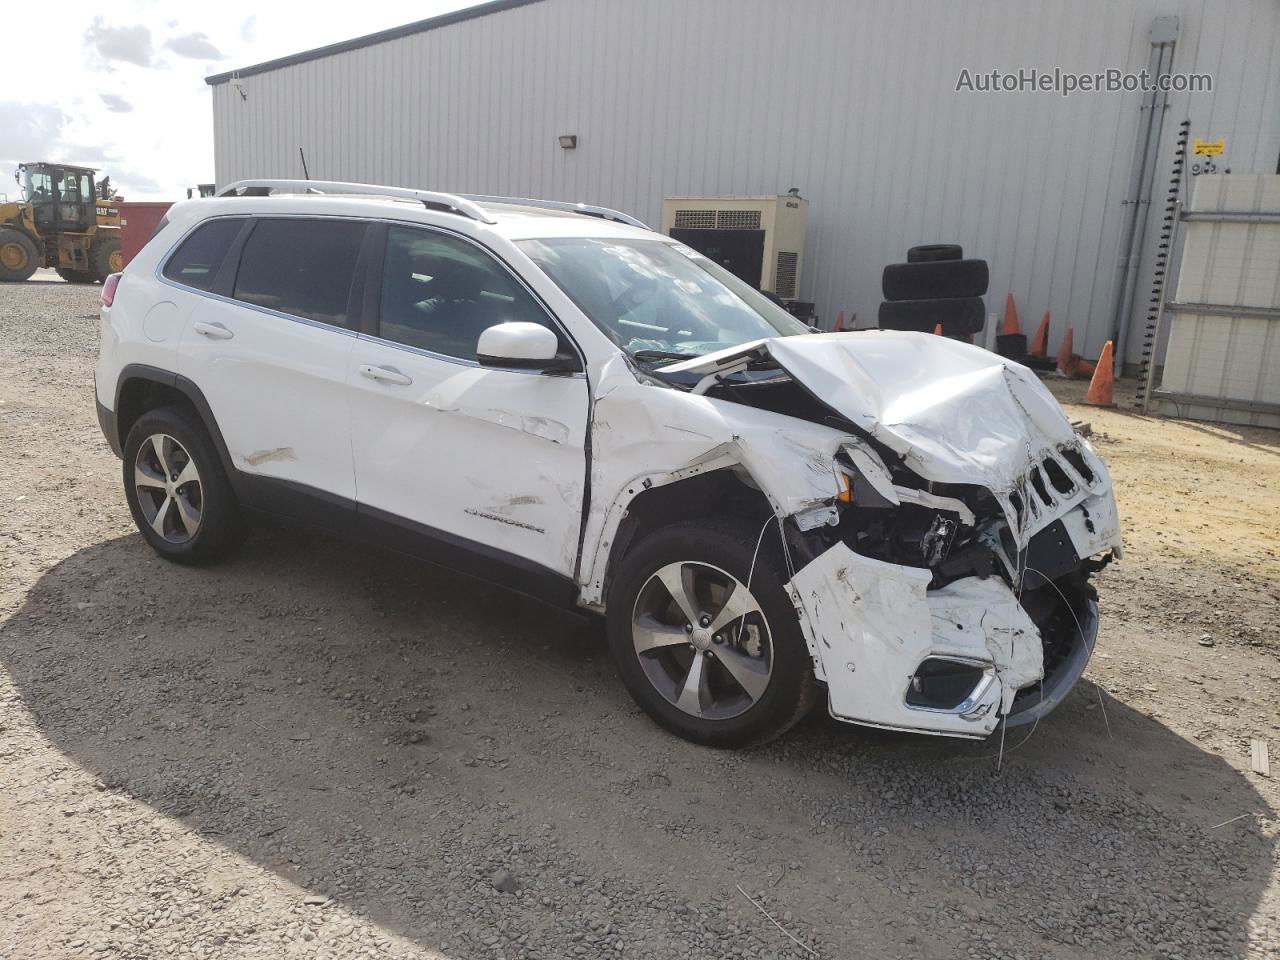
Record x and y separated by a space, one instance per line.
702 640
168 486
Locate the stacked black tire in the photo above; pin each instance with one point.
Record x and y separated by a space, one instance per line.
935 286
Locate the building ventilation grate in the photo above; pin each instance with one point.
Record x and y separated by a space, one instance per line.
717 220
784 284
695 219
737 219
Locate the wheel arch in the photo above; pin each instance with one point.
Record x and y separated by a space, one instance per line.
141 387
723 492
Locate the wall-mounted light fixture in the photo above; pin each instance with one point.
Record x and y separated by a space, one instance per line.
569 141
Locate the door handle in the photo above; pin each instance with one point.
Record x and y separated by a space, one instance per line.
385 375
214 331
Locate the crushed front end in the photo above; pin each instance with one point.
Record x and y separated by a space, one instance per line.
945 587
943 608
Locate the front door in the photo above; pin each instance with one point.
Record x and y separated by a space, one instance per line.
484 461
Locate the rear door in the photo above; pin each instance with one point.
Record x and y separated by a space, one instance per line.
268 346
483 460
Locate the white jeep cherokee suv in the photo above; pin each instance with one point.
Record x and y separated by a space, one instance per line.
555 399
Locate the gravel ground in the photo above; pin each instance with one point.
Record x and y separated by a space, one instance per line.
321 750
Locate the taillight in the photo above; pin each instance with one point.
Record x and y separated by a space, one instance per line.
109 289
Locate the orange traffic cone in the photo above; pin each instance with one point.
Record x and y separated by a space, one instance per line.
1064 355
1103 382
1040 345
839 321
937 330
1011 324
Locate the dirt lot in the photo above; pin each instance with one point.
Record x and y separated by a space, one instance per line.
320 750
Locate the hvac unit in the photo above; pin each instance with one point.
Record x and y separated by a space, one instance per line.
759 239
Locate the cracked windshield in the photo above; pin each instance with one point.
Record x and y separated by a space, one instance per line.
660 302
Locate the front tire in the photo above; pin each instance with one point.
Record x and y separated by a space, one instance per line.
177 489
707 643
19 256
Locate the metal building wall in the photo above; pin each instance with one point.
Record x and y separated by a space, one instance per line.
852 101
1223 361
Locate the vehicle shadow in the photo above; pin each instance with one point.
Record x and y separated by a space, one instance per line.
387 735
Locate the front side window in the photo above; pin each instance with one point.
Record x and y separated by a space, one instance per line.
37 187
198 259
439 293
301 267
659 301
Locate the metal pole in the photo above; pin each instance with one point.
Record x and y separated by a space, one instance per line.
1164 36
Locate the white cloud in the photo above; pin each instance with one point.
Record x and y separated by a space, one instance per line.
165 143
30 132
195 46
124 44
116 103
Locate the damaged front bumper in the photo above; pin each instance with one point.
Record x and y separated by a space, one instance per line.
1032 703
951 661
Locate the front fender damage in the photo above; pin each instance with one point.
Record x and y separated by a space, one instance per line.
940 532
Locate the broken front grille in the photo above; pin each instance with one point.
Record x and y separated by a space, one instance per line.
1058 477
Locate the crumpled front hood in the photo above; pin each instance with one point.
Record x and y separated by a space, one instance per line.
956 413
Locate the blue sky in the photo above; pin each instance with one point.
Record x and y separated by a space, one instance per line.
125 91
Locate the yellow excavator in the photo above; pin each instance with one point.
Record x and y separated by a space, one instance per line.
60 222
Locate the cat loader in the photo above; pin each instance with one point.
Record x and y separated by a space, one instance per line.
60 222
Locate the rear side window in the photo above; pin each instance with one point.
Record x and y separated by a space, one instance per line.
199 257
301 267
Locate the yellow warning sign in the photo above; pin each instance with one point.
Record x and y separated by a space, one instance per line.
1208 148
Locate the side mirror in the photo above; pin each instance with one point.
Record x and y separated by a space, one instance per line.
523 346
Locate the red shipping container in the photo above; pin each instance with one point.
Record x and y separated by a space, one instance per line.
138 221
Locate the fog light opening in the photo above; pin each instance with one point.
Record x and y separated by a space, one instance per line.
943 684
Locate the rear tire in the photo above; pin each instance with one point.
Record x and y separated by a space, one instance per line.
106 258
19 256
655 649
177 489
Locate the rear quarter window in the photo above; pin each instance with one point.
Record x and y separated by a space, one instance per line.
198 258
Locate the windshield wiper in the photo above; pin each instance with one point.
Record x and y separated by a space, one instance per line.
650 356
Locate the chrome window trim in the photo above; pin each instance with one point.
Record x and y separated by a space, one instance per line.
168 282
307 321
556 324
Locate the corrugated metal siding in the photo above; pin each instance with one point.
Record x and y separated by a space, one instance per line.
852 101
1218 353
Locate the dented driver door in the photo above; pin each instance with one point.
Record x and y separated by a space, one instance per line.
480 459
